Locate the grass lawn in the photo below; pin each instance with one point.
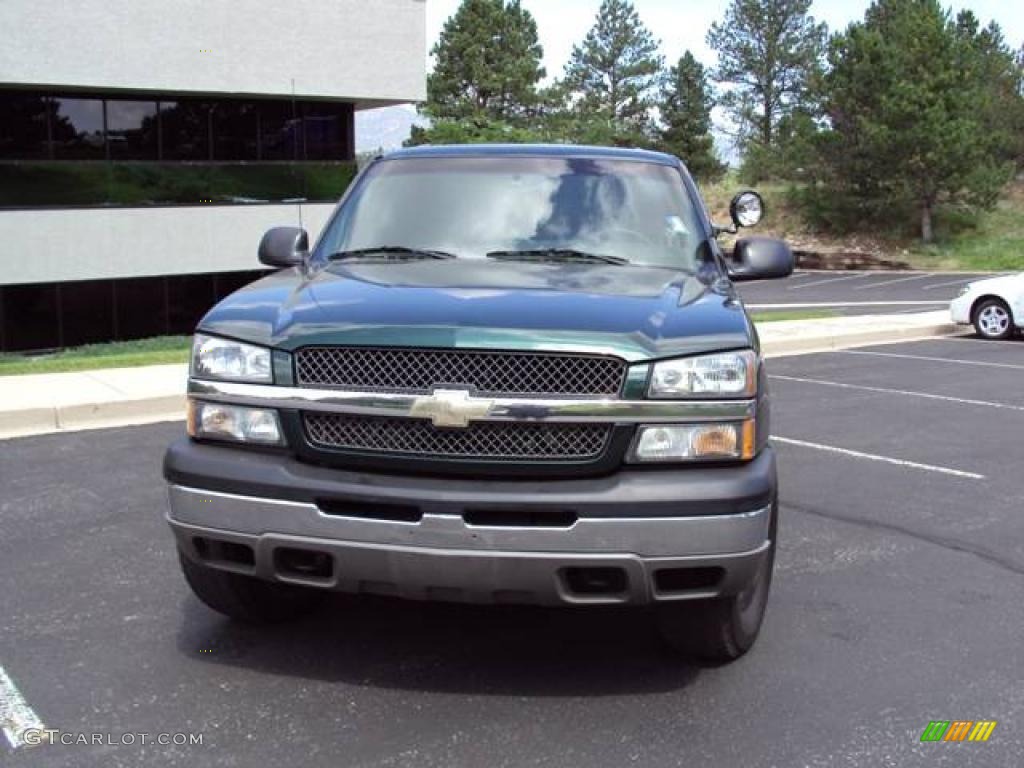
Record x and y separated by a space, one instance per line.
118 354
793 314
995 243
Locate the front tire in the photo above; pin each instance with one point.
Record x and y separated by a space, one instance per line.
246 598
992 319
724 628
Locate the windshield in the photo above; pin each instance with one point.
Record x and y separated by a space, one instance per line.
533 208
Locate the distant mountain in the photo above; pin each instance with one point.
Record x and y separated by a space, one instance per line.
384 128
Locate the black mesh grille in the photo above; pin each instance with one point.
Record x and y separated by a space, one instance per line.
421 370
483 440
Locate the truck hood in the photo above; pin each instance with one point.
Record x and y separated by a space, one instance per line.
635 312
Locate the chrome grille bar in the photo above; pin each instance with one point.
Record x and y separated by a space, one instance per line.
521 409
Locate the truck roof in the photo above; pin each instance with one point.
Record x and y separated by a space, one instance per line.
534 150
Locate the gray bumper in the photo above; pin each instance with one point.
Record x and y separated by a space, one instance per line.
604 559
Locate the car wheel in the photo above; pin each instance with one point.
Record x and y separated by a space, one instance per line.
246 598
992 319
722 629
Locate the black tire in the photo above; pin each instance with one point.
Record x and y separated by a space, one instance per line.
992 319
246 598
724 628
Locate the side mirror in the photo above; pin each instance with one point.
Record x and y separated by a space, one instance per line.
746 209
761 258
284 247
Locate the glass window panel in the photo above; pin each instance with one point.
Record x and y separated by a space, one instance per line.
186 128
280 131
324 126
88 312
30 317
77 129
55 183
235 131
189 298
23 126
132 130
140 307
473 206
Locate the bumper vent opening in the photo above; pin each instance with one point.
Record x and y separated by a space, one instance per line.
676 580
212 550
303 564
593 582
398 513
500 518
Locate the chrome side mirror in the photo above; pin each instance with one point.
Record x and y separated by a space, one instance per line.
746 209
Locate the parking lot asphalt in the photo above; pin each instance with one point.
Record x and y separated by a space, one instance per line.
898 599
857 292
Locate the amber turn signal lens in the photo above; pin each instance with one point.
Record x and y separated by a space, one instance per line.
715 441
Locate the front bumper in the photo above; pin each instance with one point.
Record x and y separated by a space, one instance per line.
633 537
960 309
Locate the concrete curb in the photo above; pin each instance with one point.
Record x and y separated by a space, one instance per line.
809 346
82 416
116 407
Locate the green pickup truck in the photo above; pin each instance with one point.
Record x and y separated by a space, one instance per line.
504 374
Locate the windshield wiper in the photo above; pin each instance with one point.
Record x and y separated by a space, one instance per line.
391 253
556 254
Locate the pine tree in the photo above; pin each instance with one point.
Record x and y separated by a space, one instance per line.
612 76
488 65
993 66
685 107
769 53
908 100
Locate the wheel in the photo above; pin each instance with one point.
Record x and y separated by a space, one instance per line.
724 628
992 319
246 598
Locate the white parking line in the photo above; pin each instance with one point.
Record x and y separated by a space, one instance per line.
970 279
930 359
884 459
893 282
16 716
909 393
991 342
830 280
825 304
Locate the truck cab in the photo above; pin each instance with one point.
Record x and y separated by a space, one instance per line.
503 374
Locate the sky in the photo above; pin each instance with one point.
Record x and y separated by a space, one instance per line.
679 24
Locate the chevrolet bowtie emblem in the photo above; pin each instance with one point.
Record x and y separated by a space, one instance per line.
450 408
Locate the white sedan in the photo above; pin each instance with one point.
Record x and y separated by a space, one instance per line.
995 306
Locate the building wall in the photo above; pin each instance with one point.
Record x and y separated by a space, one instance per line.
146 145
366 51
46 246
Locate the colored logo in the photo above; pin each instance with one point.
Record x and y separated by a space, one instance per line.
958 730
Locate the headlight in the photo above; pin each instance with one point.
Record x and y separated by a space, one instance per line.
689 442
214 358
730 374
965 290
217 421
